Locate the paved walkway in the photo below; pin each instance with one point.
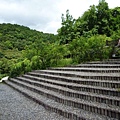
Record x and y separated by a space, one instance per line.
14 106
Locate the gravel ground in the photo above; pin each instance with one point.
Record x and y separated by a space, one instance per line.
14 106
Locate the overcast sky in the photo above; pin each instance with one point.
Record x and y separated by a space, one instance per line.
44 15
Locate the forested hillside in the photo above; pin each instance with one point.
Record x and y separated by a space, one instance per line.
78 40
15 40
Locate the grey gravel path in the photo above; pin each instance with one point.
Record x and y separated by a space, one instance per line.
14 106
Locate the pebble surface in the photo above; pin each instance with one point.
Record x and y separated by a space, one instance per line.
14 106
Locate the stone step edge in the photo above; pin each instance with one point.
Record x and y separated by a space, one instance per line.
110 113
85 70
74 114
49 77
113 59
78 75
75 73
41 80
97 66
76 80
88 103
69 79
86 88
104 62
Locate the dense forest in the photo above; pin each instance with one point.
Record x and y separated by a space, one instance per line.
78 40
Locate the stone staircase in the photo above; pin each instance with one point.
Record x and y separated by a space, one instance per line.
89 91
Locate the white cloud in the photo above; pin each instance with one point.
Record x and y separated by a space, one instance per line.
44 15
76 7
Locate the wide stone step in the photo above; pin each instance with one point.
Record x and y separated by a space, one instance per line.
64 110
105 62
88 75
78 75
85 105
89 65
112 60
95 70
87 88
92 82
71 93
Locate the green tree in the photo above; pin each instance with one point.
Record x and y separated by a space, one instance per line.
66 32
103 17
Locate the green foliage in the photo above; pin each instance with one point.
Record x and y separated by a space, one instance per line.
2 75
1 55
115 35
66 32
13 35
20 68
97 48
65 62
4 66
36 63
80 40
22 49
97 19
90 49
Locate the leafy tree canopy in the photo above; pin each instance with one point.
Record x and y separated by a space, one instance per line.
78 40
99 19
